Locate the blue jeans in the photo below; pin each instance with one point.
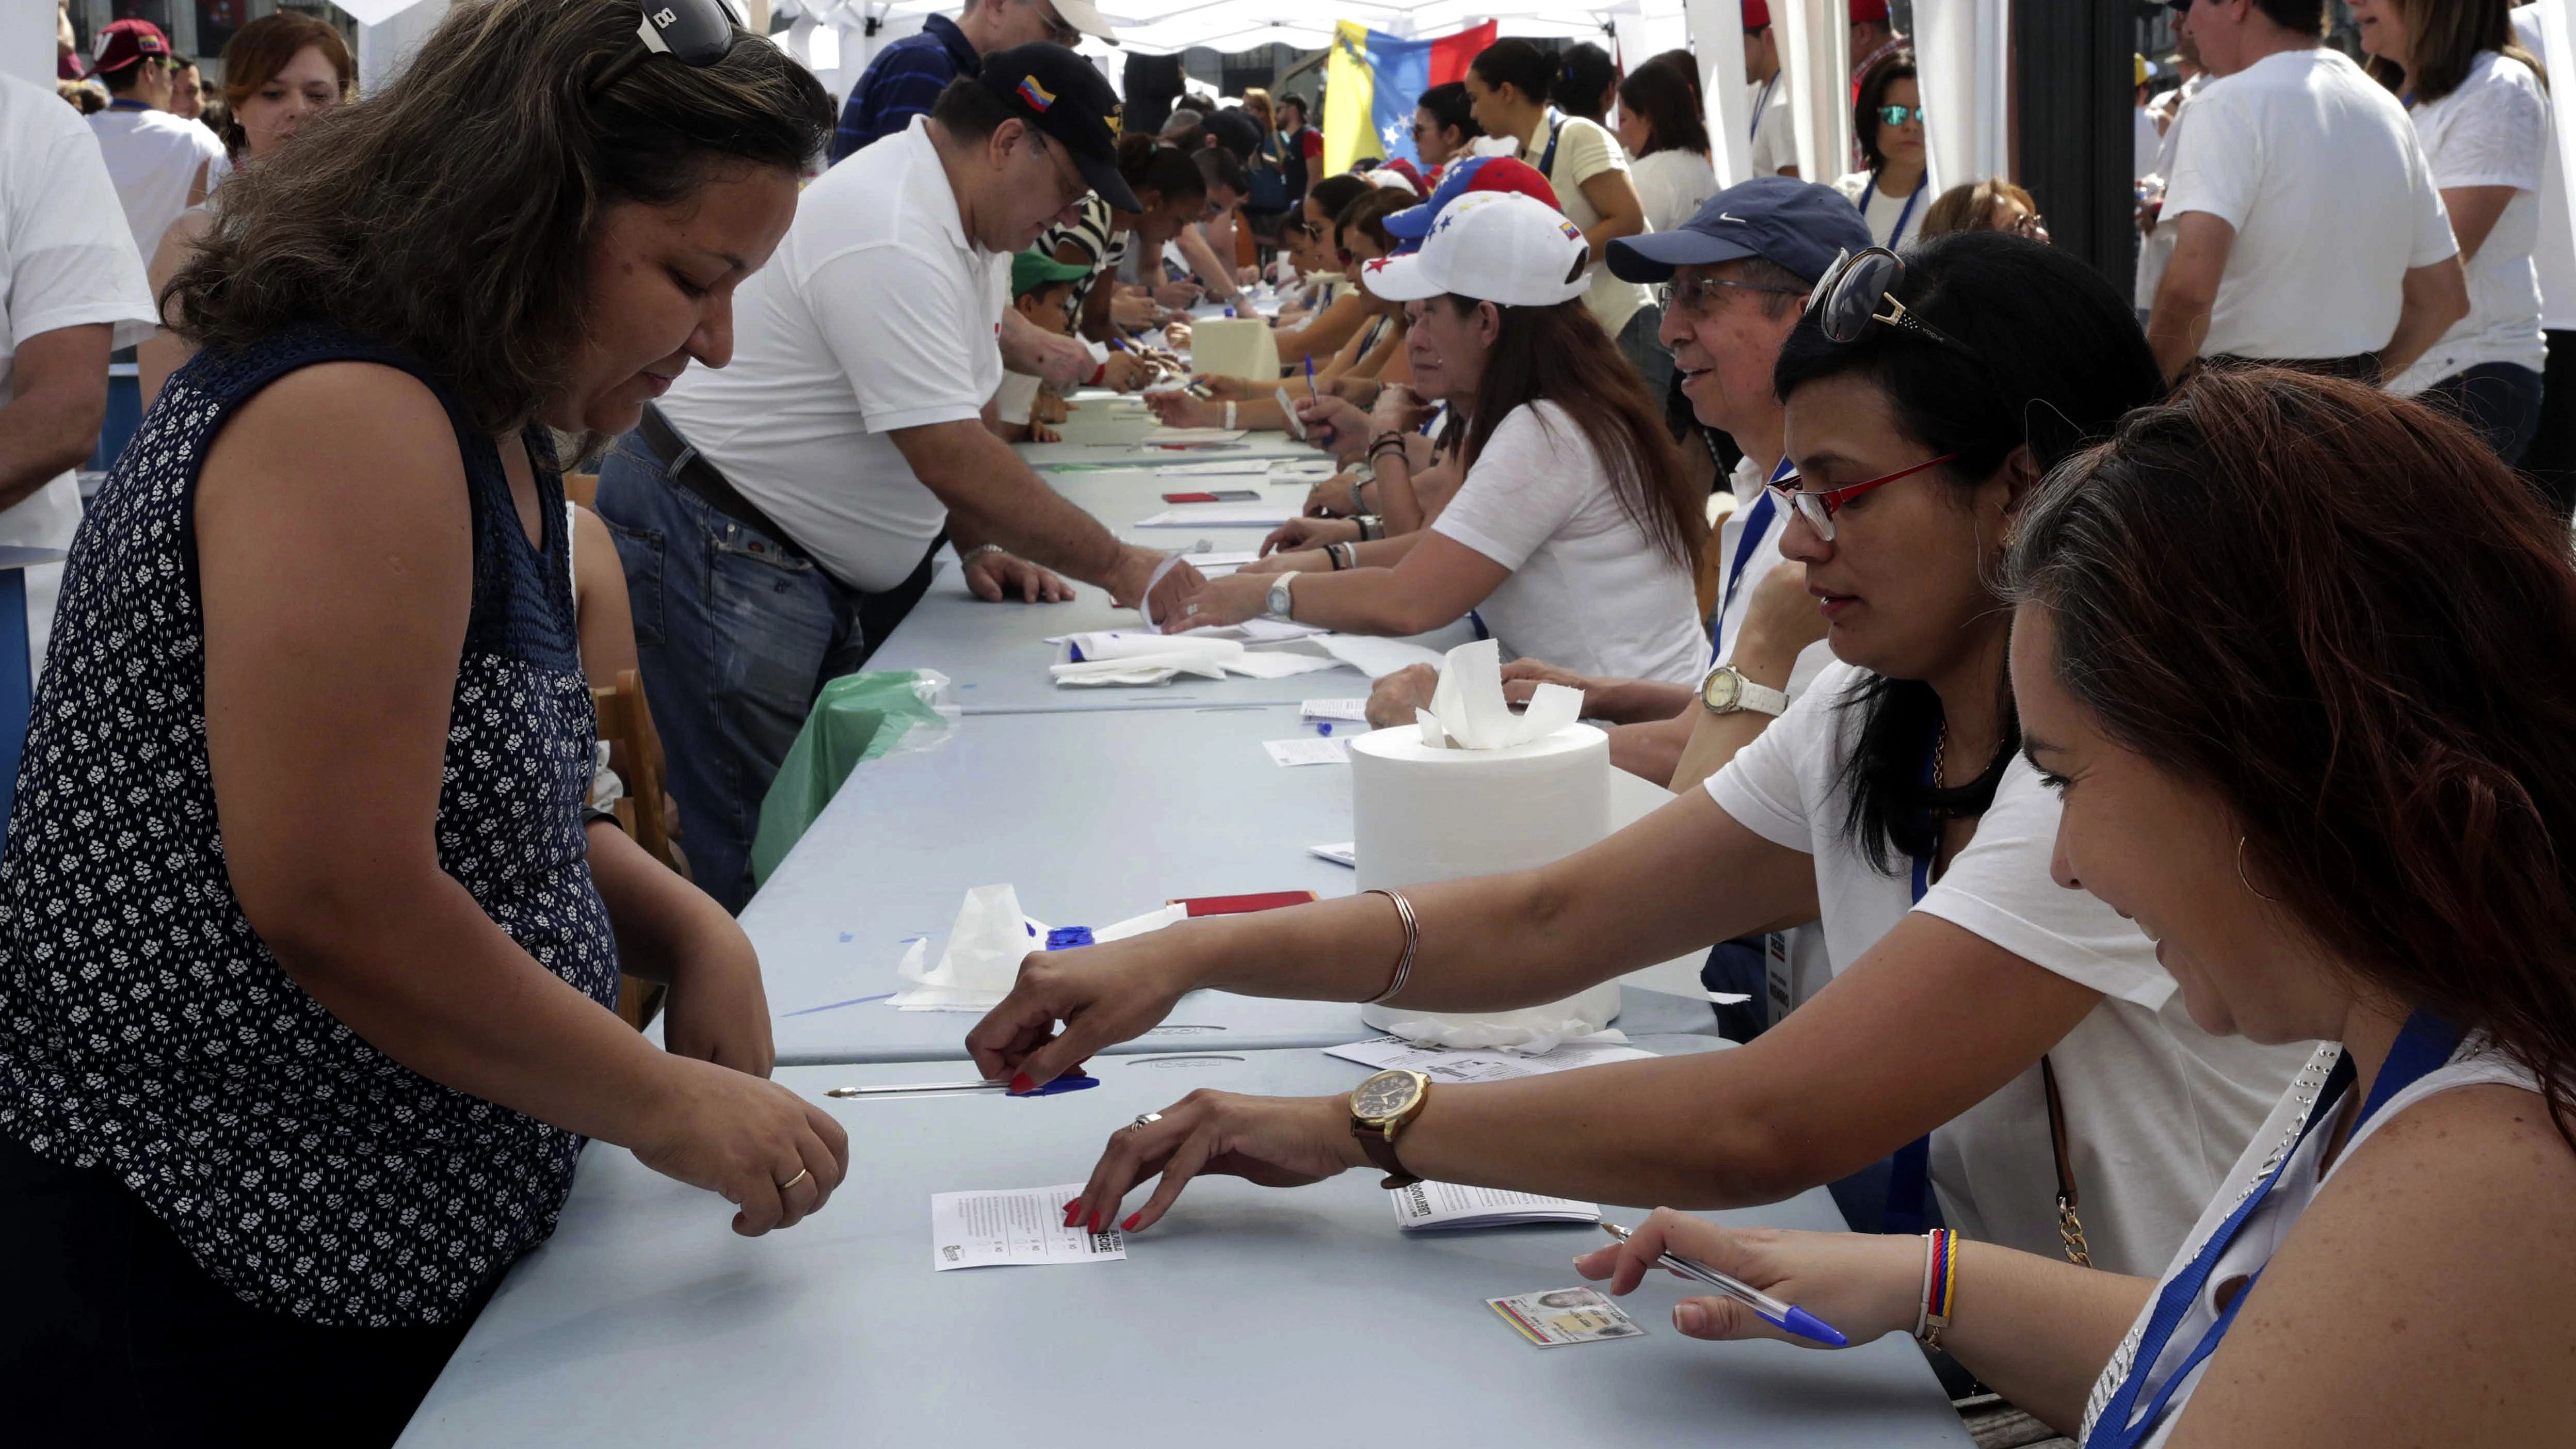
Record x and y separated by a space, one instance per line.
738 632
2500 400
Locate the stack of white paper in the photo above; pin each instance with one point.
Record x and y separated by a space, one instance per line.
1443 1207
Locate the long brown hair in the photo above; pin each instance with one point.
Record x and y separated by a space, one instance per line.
2446 36
259 50
2339 612
450 214
1560 354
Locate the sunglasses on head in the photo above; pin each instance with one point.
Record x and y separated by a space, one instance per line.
696 33
1854 289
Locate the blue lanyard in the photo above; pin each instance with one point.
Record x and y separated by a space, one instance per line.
1762 103
2425 1044
1904 216
1757 526
1547 158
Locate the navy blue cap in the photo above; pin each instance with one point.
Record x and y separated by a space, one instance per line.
1796 225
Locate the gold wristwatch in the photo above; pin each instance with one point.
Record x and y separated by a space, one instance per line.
1382 1107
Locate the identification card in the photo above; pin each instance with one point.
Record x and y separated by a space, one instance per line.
1565 1315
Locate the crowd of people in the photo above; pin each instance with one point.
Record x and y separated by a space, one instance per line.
2229 958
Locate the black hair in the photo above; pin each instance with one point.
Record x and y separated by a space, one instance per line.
1516 63
1219 167
1150 164
1583 77
1669 102
1334 194
1895 66
1449 107
1236 131
970 110
1298 101
2058 359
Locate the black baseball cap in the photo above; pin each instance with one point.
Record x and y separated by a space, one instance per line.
1796 225
1060 93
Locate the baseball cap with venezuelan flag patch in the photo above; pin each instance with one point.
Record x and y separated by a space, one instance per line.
1062 95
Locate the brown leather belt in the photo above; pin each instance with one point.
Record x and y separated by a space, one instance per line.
704 479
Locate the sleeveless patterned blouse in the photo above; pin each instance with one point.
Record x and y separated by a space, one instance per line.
146 1029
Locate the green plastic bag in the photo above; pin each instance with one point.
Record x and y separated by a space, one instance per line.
857 718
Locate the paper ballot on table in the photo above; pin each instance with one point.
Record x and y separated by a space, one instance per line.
1353 710
1218 468
1341 852
1488 1064
1445 1207
1376 658
1307 752
1165 437
1013 1226
1270 513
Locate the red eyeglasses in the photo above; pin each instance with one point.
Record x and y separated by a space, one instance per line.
1819 508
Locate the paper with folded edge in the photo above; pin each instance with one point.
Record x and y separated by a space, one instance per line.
1468 711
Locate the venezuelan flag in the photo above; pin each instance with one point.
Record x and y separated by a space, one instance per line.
1036 95
1373 81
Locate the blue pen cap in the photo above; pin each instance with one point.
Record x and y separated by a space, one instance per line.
1807 1325
1065 938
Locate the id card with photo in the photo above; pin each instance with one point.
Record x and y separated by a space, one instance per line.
1561 1316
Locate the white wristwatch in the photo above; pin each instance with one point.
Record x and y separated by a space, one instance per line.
1726 692
1280 601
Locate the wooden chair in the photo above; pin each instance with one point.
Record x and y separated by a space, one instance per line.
635 753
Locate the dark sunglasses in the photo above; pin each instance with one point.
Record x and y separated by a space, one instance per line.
1899 115
1853 290
696 33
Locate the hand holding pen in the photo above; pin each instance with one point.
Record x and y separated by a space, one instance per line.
1835 1288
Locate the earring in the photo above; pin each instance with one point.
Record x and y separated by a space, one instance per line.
2246 879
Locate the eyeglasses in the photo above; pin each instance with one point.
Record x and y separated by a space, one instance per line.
1699 294
1819 507
1847 300
1060 30
1899 115
696 33
2030 224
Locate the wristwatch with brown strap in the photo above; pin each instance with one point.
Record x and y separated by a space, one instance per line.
1381 1108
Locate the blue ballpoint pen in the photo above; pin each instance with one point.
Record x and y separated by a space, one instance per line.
1783 1315
1310 381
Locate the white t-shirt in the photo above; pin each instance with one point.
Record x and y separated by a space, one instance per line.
2492 131
1588 590
1775 133
876 313
2553 257
66 260
2272 1221
153 157
1584 150
2155 1107
1494 146
2317 167
1672 183
1893 220
2145 141
2158 245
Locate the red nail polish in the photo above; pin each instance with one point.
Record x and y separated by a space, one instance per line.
1095 1222
1072 1210
1130 1224
1021 1085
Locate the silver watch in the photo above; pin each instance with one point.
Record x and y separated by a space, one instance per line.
1279 597
1725 691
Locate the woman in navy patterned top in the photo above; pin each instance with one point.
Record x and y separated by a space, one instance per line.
307 952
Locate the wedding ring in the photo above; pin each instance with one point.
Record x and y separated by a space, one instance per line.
801 1174
1192 609
1148 1120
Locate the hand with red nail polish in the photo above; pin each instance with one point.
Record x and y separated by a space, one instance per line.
1273 1141
1021 1085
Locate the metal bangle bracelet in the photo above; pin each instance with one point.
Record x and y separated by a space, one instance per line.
1412 941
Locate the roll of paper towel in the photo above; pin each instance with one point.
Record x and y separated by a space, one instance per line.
1420 813
1235 347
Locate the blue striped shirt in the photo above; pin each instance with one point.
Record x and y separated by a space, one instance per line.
904 81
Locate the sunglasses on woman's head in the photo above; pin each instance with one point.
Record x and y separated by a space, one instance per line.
1856 286
696 33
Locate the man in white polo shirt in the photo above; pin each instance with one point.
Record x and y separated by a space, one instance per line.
778 518
71 288
2306 226
158 160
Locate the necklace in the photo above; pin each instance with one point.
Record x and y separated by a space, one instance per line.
1940 755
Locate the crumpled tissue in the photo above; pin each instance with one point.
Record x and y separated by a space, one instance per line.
986 945
1468 711
1113 656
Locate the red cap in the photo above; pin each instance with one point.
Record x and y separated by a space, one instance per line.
1868 10
125 42
1757 14
1467 175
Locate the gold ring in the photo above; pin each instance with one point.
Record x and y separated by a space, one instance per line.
801 1174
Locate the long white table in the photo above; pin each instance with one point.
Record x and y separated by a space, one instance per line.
1249 1316
1092 818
